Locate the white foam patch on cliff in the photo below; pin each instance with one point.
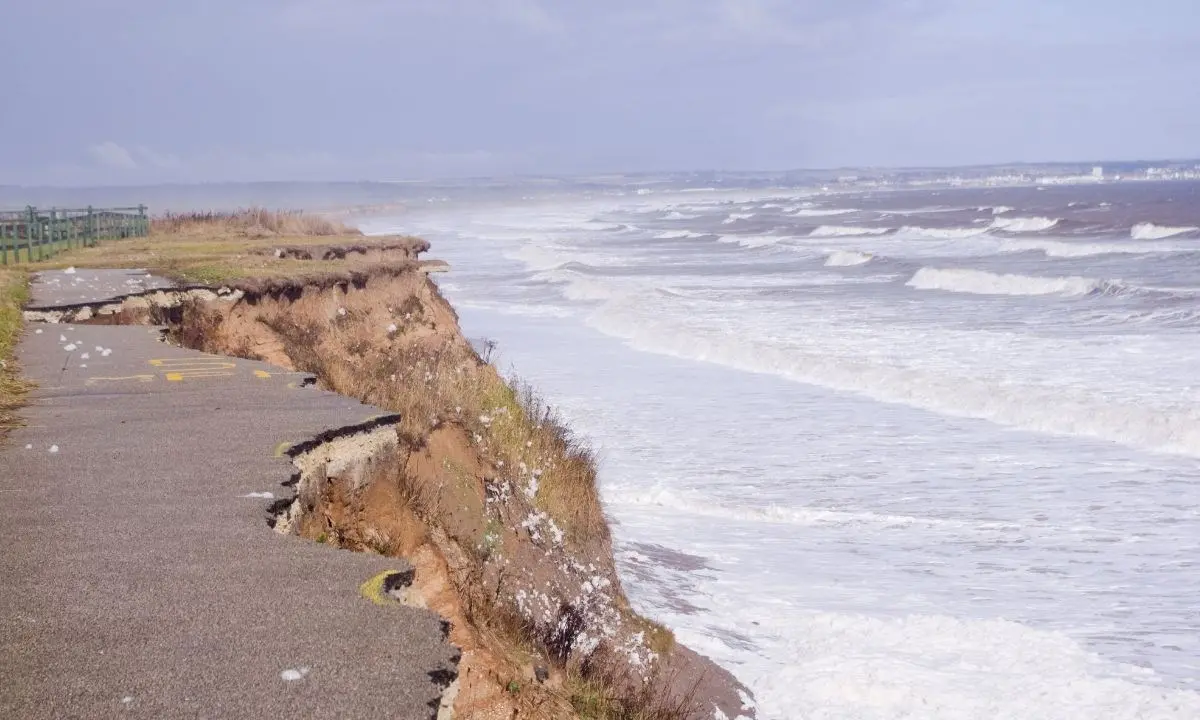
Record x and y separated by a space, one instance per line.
847 258
979 282
847 231
1150 231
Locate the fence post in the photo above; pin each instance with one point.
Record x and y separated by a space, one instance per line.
89 228
30 220
4 242
143 222
51 233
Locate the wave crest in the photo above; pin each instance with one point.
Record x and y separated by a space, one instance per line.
847 258
978 282
1024 224
846 231
951 233
1150 231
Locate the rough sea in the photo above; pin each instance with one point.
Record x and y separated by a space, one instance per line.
926 453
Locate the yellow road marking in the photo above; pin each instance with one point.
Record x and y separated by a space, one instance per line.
195 363
373 589
282 448
262 374
139 378
194 374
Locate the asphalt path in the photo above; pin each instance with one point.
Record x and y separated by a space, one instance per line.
140 575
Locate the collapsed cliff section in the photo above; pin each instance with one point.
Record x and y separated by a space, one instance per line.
485 491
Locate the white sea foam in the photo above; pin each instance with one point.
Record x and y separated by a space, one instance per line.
1026 405
1063 249
818 212
846 258
1150 231
1024 224
847 231
675 234
752 241
734 217
979 282
857 667
943 233
1001 209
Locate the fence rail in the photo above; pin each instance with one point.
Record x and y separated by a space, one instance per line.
41 234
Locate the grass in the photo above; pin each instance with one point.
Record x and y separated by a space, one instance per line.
255 221
14 292
216 247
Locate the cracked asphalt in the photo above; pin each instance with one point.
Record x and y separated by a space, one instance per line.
141 578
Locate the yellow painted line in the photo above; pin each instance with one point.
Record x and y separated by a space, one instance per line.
193 363
282 448
139 378
373 589
262 374
195 374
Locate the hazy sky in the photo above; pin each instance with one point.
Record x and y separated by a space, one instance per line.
130 91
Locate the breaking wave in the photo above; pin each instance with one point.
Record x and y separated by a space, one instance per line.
943 233
1150 231
846 231
734 217
751 241
819 212
1024 224
978 282
847 258
1046 408
676 234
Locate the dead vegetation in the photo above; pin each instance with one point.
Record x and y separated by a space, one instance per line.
253 222
253 244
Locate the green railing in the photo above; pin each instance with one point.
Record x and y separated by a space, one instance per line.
41 234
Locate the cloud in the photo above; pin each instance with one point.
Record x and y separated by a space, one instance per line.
111 155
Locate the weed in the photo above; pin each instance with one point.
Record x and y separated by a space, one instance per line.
14 292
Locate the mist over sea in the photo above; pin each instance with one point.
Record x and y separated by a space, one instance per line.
882 453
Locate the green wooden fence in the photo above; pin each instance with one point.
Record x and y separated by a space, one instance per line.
40 234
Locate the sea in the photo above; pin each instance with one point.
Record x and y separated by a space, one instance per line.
885 452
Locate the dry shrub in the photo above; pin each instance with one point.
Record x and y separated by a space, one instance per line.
253 221
603 689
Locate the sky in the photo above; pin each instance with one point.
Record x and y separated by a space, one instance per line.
149 91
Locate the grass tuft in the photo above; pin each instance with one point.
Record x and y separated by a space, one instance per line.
255 221
14 293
